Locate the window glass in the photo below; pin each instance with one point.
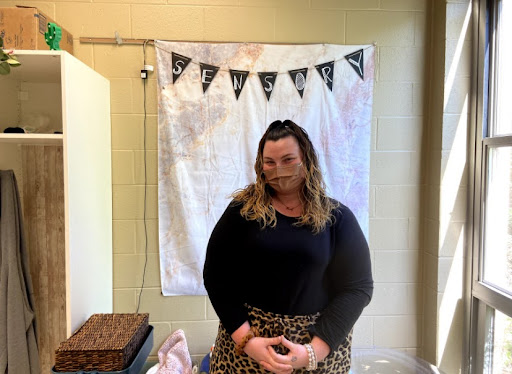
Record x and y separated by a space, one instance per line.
503 73
498 225
498 344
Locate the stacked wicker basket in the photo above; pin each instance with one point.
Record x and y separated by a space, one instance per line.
106 342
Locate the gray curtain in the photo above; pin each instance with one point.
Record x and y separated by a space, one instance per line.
18 344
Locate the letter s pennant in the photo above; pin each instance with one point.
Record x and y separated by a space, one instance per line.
179 63
268 81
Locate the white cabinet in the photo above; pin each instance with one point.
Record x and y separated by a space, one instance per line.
65 185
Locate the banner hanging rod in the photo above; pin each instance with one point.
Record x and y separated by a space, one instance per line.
117 40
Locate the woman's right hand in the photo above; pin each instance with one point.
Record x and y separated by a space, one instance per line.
257 349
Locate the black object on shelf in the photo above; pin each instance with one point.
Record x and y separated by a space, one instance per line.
14 130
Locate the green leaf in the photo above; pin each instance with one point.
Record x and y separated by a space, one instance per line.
1 42
13 62
5 68
4 56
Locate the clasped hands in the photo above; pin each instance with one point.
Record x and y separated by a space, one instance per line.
261 350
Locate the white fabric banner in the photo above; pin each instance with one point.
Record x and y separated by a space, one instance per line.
207 141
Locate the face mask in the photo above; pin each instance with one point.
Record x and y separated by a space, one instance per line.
285 178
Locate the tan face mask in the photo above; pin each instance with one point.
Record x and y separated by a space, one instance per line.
284 179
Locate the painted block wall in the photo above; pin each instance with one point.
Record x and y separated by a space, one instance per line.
401 30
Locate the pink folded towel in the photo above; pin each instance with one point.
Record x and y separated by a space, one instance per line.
173 355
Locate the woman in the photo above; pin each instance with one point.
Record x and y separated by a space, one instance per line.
287 268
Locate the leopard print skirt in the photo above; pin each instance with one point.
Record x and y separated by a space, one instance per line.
224 360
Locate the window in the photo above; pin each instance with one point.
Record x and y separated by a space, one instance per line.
490 312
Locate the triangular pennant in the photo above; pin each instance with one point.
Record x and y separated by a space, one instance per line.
299 79
326 71
356 60
207 74
267 81
179 63
238 78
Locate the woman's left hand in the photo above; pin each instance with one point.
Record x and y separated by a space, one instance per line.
297 356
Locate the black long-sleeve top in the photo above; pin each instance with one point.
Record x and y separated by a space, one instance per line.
289 270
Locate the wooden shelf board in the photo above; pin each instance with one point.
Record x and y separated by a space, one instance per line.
42 139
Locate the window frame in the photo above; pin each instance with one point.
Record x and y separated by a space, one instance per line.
479 295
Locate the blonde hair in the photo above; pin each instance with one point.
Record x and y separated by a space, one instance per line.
256 198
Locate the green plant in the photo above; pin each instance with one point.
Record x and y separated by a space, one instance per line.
7 59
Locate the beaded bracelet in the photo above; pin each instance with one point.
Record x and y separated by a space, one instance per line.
253 332
312 363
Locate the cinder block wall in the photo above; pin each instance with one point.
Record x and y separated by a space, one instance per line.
400 140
